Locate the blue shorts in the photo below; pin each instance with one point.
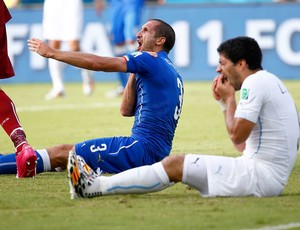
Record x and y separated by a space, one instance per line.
115 154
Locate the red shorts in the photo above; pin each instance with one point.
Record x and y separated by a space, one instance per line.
6 69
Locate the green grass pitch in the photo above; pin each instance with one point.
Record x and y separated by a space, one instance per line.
44 202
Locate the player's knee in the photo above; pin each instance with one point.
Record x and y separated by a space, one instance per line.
59 155
174 167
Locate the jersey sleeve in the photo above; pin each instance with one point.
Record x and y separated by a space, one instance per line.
252 97
139 62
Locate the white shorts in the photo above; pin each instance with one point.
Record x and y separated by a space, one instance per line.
229 176
62 20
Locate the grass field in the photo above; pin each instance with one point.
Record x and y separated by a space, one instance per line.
44 202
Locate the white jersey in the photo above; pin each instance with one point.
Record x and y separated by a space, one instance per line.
265 101
271 148
62 19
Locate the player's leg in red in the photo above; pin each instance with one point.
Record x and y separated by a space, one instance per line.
25 156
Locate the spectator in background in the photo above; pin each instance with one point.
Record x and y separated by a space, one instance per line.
25 155
63 21
125 17
11 3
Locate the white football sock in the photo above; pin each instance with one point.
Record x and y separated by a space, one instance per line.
45 158
143 179
56 69
87 81
86 75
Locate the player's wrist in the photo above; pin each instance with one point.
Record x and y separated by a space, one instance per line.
222 104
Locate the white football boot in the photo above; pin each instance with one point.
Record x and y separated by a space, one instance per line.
83 180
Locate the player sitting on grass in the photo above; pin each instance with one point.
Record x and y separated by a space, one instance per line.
264 125
153 94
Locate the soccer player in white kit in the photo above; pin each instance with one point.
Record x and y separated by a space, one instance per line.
63 22
264 126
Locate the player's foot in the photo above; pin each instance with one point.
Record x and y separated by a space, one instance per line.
88 82
53 94
26 161
82 179
117 92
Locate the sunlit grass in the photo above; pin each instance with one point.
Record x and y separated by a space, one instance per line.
44 202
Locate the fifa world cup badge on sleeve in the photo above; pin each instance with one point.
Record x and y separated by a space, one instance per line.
245 94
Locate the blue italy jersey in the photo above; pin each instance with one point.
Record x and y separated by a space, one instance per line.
159 100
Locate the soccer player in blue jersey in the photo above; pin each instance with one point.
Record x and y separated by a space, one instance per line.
153 94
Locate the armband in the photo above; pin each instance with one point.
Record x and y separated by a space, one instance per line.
222 105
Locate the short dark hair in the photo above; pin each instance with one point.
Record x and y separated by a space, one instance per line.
242 47
163 29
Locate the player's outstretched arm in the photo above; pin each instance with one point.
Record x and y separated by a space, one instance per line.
78 59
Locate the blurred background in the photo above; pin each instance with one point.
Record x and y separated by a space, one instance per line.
200 26
32 2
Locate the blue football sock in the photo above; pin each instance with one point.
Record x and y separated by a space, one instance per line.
8 164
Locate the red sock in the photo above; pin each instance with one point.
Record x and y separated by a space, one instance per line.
10 121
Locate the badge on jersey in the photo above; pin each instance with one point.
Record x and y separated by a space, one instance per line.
134 54
245 94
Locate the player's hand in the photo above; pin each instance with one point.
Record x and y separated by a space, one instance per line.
213 88
222 88
40 47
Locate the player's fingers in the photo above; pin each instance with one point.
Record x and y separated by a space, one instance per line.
30 43
214 84
215 81
34 39
219 79
33 42
31 47
214 88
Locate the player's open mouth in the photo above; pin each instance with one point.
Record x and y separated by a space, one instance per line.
139 45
